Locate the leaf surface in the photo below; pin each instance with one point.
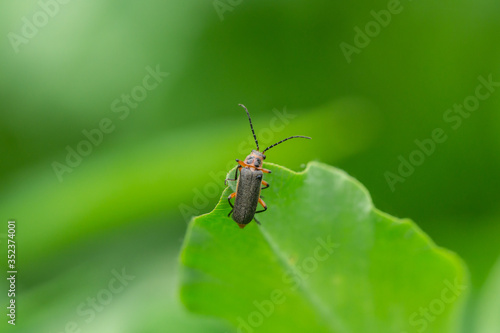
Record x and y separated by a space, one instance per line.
323 260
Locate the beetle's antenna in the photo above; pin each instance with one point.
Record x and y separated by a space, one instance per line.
277 143
251 126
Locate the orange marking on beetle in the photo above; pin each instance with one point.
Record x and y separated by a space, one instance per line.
262 203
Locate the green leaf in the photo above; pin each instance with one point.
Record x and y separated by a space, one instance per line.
323 260
488 320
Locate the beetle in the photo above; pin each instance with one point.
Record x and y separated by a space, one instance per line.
248 186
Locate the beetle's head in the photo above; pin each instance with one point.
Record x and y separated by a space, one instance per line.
255 158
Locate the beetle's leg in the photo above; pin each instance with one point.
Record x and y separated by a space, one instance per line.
263 205
235 176
232 195
265 170
243 164
260 211
266 185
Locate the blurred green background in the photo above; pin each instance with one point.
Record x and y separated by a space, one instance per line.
124 206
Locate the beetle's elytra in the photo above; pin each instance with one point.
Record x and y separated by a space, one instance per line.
248 185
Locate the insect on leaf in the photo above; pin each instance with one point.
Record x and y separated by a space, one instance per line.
323 260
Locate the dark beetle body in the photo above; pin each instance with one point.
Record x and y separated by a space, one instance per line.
249 184
247 195
248 188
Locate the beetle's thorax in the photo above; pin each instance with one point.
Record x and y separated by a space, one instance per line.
255 159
